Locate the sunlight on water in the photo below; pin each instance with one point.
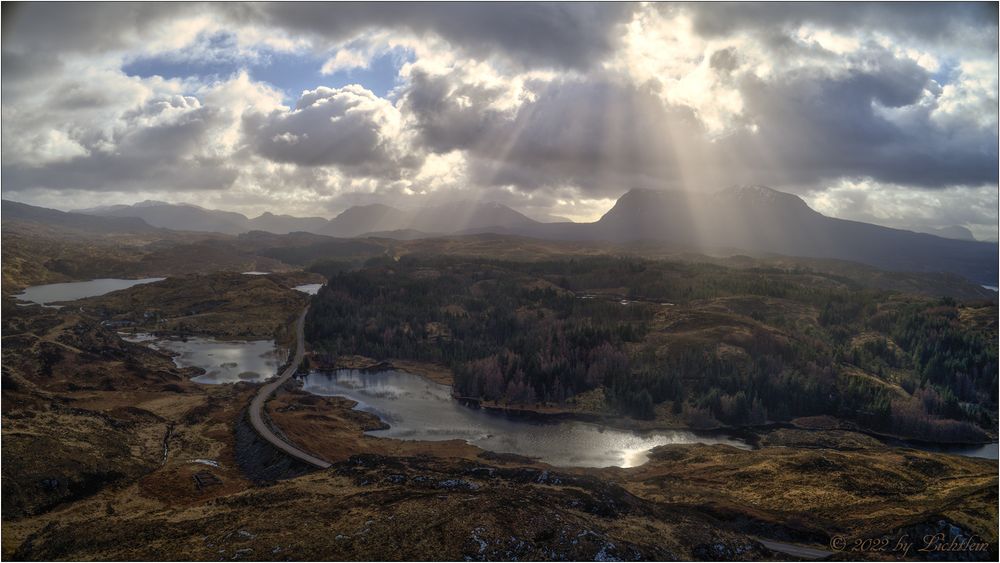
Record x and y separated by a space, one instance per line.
223 362
417 409
310 288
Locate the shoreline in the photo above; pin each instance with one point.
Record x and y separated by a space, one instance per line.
751 434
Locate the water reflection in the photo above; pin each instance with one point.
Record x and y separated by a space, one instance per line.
54 292
985 451
223 362
417 409
310 288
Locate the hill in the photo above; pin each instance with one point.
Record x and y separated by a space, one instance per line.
757 219
21 212
177 217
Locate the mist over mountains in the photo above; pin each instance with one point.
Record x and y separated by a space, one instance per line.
355 221
750 219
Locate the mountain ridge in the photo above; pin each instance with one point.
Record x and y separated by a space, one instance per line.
357 220
752 218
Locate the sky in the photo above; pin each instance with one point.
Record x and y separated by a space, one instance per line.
884 113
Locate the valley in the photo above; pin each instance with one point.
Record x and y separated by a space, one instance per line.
561 341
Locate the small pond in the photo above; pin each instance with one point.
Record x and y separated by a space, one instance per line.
310 288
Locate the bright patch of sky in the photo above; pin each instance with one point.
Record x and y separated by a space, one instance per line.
947 70
292 73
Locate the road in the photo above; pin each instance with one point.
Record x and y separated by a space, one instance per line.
265 392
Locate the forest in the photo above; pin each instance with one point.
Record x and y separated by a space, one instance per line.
701 343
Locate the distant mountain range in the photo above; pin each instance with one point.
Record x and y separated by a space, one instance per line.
12 210
355 221
186 217
752 219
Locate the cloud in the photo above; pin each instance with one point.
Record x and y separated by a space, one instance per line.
345 59
157 144
878 121
602 135
967 25
450 112
78 28
878 117
893 205
142 135
350 128
556 108
566 35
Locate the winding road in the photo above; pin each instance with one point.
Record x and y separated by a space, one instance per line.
257 405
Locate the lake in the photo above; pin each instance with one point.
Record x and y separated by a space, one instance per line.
55 292
418 409
985 451
223 362
310 288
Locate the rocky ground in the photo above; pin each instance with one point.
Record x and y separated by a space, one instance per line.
222 305
110 452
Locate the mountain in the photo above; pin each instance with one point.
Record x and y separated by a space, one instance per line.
548 218
283 224
365 218
467 215
447 218
762 220
101 209
22 212
955 231
755 219
177 217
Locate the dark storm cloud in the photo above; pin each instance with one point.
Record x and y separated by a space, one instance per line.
444 123
597 133
816 127
59 28
118 172
531 34
945 22
605 134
